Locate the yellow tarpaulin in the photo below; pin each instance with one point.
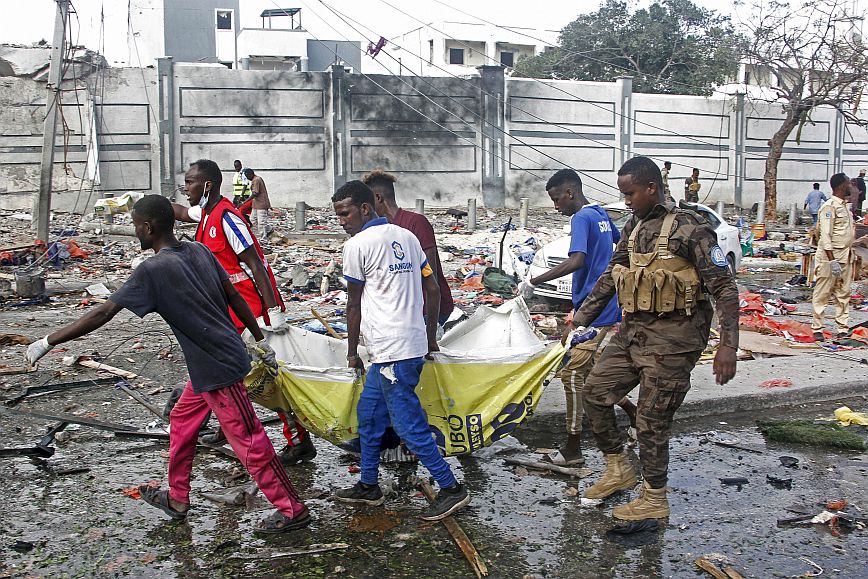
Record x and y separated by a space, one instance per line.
472 396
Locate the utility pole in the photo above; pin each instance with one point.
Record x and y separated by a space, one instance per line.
42 202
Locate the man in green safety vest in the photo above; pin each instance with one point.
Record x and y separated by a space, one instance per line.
240 186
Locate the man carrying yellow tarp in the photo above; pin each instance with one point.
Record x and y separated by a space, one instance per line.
386 270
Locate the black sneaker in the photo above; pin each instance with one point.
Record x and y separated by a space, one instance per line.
361 493
818 337
448 501
292 455
215 439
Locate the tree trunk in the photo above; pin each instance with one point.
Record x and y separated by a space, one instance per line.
776 148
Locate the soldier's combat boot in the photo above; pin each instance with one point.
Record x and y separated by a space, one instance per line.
619 476
651 504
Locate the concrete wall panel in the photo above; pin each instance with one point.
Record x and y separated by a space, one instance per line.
280 156
561 111
244 102
554 157
414 158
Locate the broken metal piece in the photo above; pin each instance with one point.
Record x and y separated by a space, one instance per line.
72 419
311 550
42 449
59 387
529 463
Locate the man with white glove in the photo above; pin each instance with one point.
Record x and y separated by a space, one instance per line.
262 352
185 285
834 258
36 350
525 289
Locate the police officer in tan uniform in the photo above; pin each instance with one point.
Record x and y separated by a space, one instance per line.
833 261
666 268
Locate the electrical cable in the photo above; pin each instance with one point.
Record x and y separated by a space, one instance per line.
471 112
408 105
558 89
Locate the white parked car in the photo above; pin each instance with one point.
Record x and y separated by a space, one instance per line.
555 252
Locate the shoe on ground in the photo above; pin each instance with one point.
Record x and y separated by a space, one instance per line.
448 501
651 504
302 452
363 494
843 335
619 476
818 337
215 439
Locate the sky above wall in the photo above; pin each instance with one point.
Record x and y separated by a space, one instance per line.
29 22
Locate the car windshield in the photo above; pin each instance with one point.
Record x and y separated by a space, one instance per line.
619 217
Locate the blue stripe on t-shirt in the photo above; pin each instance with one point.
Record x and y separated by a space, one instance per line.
234 227
354 280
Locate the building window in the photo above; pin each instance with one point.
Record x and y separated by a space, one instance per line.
456 56
430 52
507 59
226 64
224 20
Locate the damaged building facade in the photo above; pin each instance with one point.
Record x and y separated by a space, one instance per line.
489 137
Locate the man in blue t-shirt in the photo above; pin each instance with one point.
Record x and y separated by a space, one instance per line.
592 239
813 201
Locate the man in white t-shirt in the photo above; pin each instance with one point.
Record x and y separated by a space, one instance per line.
386 271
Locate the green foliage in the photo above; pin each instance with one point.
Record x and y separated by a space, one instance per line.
673 46
816 434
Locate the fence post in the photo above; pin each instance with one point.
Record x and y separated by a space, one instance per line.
493 150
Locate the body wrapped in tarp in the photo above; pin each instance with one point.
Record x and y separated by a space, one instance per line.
486 380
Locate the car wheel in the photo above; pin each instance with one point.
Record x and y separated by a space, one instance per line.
730 260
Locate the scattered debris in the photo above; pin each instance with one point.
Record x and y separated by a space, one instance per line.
238 495
780 483
311 550
708 563
539 465
846 417
635 533
134 493
776 383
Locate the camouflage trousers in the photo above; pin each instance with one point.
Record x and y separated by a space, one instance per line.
663 380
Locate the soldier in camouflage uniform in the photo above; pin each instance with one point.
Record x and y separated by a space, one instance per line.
655 348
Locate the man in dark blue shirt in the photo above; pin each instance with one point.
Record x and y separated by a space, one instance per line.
592 239
189 289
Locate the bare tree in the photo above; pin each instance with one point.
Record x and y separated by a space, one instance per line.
814 56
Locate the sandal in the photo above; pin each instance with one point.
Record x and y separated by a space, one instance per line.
277 522
160 499
557 457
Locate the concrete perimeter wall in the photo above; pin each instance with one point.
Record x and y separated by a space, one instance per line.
448 139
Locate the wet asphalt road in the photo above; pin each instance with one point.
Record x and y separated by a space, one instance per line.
522 523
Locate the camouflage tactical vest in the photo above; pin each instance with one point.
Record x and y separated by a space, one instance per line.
658 281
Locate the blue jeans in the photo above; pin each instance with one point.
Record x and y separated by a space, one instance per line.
391 399
814 218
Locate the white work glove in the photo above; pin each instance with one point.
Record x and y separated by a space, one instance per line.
525 289
836 268
262 352
277 318
36 350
